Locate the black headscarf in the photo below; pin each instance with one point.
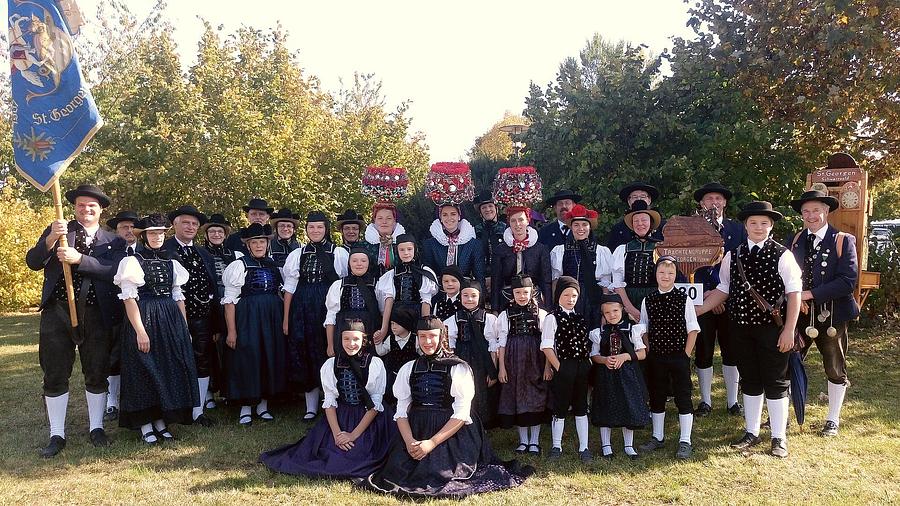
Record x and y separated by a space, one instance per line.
443 355
413 265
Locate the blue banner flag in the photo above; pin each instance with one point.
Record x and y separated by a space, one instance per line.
54 115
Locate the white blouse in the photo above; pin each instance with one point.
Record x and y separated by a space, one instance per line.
490 331
636 337
375 384
291 270
333 302
385 288
618 268
603 272
503 326
385 347
130 276
462 388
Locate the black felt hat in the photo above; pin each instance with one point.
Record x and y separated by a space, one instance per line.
256 231
259 204
485 197
187 210
350 216
283 214
88 190
759 208
122 216
563 194
216 220
713 187
154 221
816 195
638 185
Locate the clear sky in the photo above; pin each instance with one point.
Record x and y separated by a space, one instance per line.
462 63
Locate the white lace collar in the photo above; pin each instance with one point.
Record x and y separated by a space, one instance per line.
372 236
532 237
466 232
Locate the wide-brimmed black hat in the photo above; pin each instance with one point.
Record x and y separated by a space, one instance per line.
638 185
815 195
256 231
713 187
122 216
188 210
485 197
759 208
563 194
348 217
154 221
88 190
260 204
284 214
216 220
638 207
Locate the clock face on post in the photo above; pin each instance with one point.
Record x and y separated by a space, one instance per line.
850 196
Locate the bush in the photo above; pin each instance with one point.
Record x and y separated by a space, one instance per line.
885 301
20 226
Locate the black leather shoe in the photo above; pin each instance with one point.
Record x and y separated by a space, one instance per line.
703 409
779 448
111 414
56 445
736 410
748 440
99 438
204 421
830 429
653 444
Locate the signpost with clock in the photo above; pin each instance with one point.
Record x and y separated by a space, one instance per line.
843 179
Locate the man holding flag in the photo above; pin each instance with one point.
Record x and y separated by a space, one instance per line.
54 117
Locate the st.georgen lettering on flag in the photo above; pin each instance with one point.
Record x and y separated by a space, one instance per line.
54 114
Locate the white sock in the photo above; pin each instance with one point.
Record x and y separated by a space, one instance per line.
753 406
523 435
203 384
704 377
659 422
96 404
581 426
262 406
732 380
686 423
159 424
112 399
147 428
312 401
628 437
556 431
605 443
535 434
56 412
245 411
778 416
836 395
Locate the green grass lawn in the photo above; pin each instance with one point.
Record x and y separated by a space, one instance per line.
218 465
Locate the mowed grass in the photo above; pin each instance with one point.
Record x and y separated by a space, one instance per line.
218 465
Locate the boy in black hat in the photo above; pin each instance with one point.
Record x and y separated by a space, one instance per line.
445 303
201 292
670 332
554 234
830 271
93 254
765 274
712 198
257 211
620 234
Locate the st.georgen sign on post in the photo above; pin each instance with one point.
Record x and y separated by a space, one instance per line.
54 115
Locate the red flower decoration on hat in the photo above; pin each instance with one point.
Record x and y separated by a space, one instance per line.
579 211
385 184
449 183
517 186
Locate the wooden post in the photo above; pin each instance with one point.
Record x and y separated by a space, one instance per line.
67 269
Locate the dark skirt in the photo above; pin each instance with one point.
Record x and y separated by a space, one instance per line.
256 367
316 455
524 398
484 404
461 466
307 343
618 399
161 384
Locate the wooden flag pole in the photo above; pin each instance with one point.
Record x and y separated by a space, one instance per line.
67 269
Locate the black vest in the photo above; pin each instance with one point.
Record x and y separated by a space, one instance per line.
640 269
762 273
158 274
197 292
77 279
407 284
523 321
279 249
350 389
571 339
430 384
317 264
667 334
259 278
397 357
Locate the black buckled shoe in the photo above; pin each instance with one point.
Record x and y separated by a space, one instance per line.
830 429
111 414
703 409
653 444
99 438
204 421
779 448
736 409
748 440
56 445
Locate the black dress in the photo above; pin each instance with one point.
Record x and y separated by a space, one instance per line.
161 384
462 465
472 346
618 398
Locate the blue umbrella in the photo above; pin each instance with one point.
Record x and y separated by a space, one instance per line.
799 384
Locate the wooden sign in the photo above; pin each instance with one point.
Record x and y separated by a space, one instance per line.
693 242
